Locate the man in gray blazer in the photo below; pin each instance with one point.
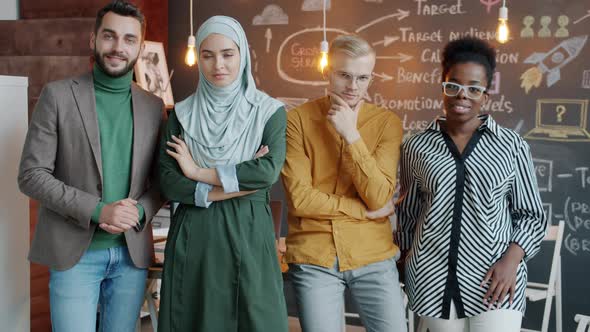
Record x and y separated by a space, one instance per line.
90 159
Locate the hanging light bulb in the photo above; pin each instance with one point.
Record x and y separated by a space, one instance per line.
191 57
324 46
503 32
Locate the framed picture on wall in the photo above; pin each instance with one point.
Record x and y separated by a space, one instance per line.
151 72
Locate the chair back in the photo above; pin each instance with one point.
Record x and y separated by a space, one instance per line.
555 233
583 322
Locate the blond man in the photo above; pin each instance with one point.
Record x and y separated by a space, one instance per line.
340 176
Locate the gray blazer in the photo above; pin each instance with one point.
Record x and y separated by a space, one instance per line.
61 167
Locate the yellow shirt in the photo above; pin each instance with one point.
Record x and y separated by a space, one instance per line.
331 184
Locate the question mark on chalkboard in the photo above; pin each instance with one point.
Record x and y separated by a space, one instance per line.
560 109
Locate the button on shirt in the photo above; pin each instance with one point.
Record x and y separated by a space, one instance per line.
459 212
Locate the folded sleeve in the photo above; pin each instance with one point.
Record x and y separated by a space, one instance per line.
374 174
201 193
229 179
529 222
263 172
173 184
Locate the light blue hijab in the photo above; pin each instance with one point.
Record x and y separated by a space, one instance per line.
224 126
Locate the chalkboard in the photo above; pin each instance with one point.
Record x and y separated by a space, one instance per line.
541 88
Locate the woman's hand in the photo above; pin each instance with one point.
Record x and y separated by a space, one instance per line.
401 265
183 157
262 151
217 194
502 277
387 210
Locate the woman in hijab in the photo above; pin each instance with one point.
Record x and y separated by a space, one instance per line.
221 271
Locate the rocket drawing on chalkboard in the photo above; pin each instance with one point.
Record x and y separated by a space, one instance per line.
551 62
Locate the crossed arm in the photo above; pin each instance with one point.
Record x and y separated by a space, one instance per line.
179 175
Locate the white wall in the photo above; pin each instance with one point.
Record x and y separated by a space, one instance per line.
9 9
14 208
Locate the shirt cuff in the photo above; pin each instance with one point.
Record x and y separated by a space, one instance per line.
348 207
229 179
524 241
201 194
97 210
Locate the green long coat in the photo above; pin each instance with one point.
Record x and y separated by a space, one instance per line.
221 271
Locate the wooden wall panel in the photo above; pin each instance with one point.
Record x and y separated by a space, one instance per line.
41 324
43 69
155 11
156 14
46 37
33 9
40 316
39 284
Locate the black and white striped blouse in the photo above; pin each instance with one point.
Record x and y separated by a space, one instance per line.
458 213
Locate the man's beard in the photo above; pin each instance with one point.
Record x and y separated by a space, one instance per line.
100 62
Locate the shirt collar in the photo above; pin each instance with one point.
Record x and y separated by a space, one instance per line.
488 124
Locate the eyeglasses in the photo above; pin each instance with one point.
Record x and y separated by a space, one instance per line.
471 91
361 80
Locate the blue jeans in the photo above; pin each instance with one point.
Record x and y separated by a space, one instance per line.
375 288
105 277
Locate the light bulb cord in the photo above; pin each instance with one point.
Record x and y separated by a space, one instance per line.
191 13
325 19
503 12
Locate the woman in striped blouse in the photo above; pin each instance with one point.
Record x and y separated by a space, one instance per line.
470 214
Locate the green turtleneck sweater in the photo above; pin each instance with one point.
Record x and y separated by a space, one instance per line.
115 124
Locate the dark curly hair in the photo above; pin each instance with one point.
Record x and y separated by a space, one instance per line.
469 49
122 8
